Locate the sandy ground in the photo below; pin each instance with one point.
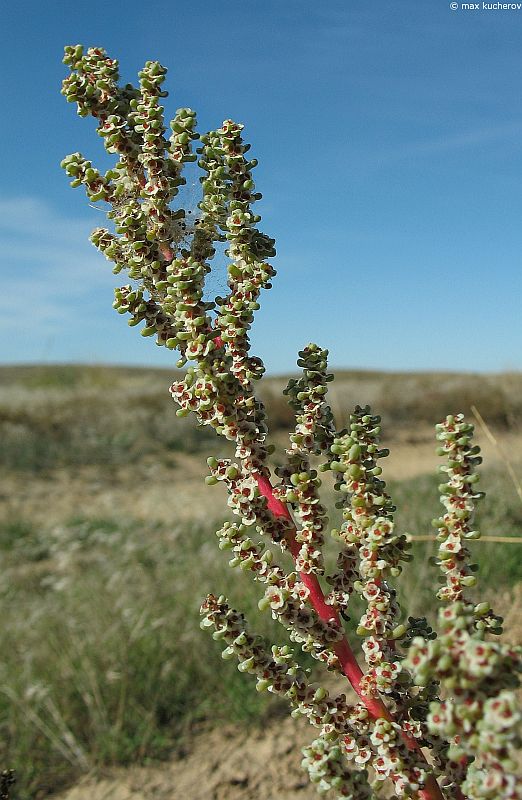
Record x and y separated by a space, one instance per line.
222 765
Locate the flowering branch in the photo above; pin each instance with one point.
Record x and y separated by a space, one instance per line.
451 695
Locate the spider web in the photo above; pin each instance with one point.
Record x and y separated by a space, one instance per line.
188 198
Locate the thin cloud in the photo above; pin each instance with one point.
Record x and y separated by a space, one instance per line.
50 272
475 137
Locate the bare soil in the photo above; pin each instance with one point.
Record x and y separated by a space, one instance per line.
228 764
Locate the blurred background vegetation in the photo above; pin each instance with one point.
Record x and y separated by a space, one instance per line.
107 547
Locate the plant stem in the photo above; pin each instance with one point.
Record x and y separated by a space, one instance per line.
342 649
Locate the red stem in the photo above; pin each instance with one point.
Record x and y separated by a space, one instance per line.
342 649
166 252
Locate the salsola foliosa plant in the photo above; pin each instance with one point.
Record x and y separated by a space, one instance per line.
432 715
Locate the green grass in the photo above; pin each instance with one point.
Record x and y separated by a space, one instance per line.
103 658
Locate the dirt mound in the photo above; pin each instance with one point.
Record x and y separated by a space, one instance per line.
221 765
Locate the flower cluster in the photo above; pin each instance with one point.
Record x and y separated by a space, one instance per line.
477 715
313 435
299 489
229 195
315 428
368 528
453 692
325 763
458 496
394 761
245 500
285 594
277 671
372 549
367 742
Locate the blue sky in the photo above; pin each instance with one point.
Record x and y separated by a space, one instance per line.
389 135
